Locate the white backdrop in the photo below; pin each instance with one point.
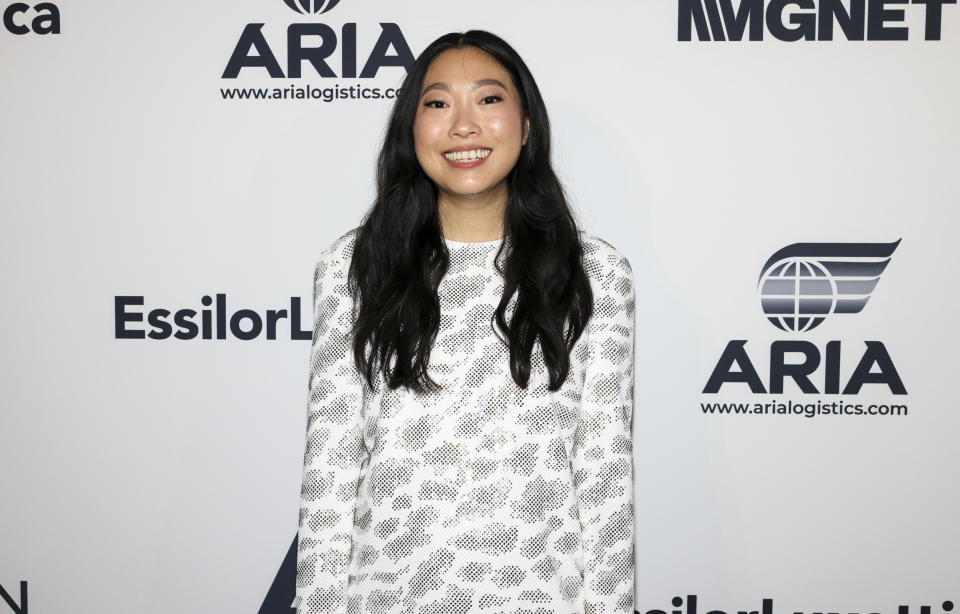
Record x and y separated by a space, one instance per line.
158 476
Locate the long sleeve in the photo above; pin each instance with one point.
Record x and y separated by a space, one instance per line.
602 455
334 448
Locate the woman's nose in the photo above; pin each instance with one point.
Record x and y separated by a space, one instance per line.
464 123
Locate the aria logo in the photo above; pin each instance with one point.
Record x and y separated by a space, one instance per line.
800 285
803 283
327 54
308 7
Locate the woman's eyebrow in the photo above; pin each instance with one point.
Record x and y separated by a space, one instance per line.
485 82
435 86
440 85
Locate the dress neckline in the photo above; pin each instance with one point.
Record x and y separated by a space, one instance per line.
453 243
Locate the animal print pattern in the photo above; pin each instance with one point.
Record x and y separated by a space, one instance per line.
483 497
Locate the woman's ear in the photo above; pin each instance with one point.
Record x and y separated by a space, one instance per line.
526 130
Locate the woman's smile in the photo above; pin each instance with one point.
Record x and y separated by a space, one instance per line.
467 157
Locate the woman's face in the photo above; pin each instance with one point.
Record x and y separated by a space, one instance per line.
469 126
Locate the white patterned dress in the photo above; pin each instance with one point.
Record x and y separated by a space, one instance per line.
483 497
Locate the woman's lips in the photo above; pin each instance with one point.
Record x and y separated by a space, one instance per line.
466 158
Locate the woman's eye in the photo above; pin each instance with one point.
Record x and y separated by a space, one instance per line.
434 104
491 99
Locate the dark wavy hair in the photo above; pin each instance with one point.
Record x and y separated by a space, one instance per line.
400 257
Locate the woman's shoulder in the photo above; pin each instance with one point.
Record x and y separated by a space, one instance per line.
611 279
601 259
332 267
340 251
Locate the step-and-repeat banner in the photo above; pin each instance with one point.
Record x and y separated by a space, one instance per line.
782 174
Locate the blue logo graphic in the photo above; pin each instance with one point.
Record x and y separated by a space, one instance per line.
803 283
310 7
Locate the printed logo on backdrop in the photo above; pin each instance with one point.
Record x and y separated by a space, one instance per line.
800 287
214 321
311 6
693 604
803 283
809 20
7 598
316 60
20 18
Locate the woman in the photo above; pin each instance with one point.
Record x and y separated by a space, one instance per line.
471 389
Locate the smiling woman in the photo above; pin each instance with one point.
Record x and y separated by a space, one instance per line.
471 386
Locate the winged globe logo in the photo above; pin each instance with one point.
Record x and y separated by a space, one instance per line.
803 283
311 7
800 285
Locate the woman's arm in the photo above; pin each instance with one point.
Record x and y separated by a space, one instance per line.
334 445
602 457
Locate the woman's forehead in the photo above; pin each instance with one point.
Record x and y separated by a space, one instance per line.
466 65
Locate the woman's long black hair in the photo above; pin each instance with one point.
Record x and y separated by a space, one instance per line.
400 257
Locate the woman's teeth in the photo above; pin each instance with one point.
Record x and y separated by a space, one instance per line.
467 156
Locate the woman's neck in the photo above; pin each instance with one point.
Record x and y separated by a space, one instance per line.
471 219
